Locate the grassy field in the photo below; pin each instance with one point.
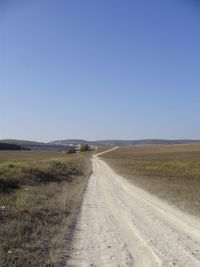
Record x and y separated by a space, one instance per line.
172 172
40 197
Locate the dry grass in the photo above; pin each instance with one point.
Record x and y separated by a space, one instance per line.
24 155
40 197
171 172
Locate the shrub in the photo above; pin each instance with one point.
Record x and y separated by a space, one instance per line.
7 185
71 150
84 148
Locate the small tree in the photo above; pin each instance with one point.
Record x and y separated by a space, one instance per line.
71 150
84 148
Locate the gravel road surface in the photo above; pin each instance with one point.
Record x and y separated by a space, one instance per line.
122 225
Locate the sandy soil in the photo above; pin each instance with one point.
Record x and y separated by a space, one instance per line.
122 225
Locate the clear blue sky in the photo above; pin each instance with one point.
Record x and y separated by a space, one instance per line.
103 69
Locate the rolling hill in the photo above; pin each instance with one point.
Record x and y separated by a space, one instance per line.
33 145
62 145
123 142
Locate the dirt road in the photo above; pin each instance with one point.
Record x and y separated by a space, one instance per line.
122 225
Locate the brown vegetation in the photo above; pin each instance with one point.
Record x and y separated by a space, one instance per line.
71 150
40 197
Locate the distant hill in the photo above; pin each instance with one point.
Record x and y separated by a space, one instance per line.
63 145
123 142
21 142
33 145
5 146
